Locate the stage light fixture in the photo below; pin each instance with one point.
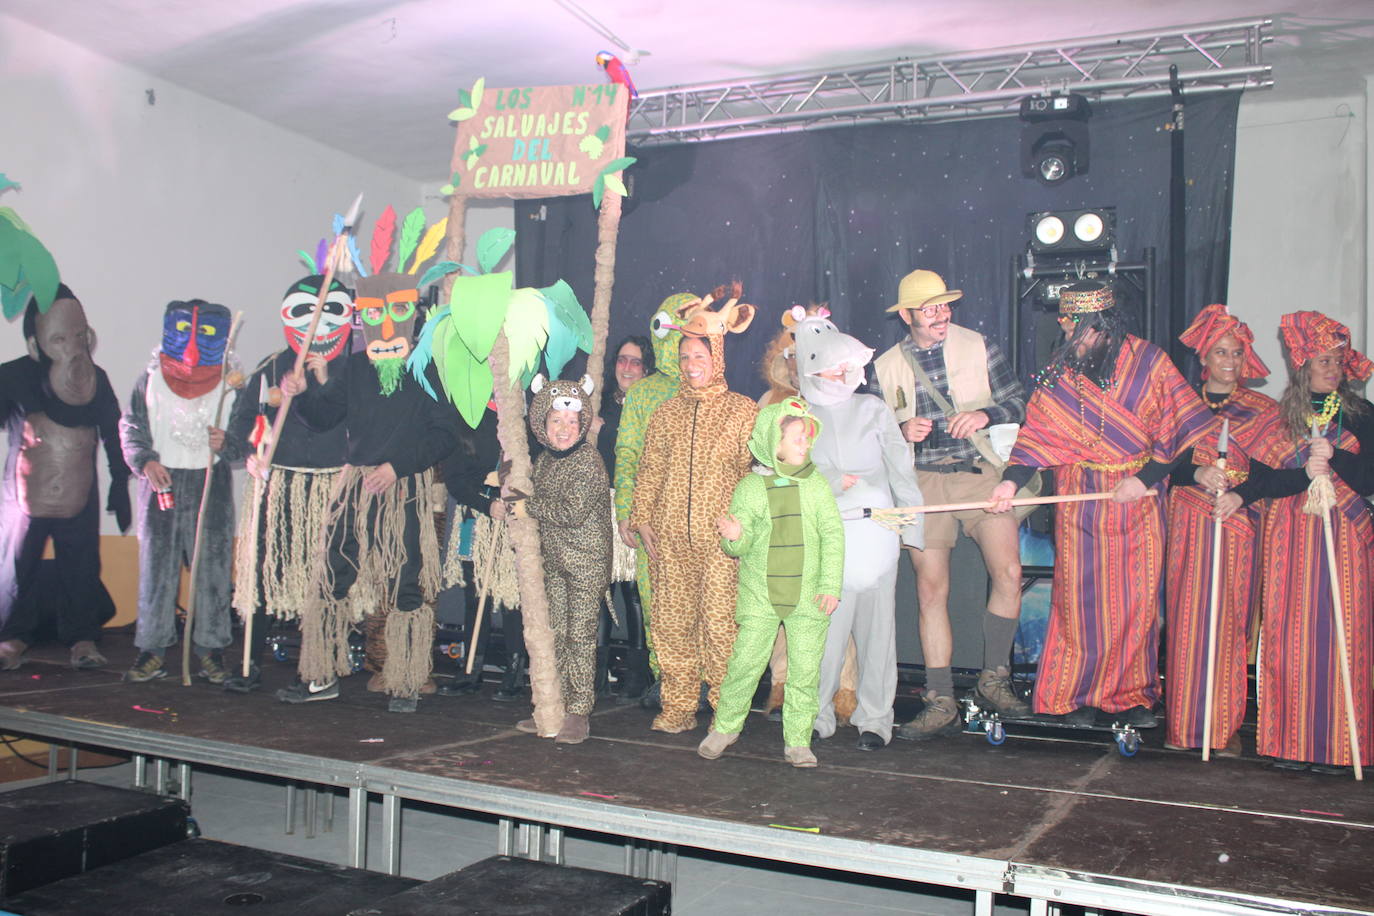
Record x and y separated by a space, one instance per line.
1054 142
1072 232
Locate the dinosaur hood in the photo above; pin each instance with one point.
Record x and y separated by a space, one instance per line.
763 442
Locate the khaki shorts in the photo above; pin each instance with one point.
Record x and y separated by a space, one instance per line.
942 528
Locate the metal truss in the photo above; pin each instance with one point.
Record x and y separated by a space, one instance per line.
979 84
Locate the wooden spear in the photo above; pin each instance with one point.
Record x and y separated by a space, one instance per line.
1213 605
335 256
1325 496
204 506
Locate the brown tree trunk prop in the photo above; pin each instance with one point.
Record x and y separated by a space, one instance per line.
524 538
524 533
200 516
607 231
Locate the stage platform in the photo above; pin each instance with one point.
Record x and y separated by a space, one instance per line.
1053 820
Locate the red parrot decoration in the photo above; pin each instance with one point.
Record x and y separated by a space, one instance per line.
616 72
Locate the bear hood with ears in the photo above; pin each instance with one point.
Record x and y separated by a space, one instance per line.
763 442
561 394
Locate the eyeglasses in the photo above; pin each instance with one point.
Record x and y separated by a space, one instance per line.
930 311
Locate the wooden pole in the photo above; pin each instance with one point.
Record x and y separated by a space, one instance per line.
1333 572
1213 612
493 546
200 515
851 514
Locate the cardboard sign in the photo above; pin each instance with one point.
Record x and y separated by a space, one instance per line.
540 141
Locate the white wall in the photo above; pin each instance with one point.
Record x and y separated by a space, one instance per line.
144 203
1299 237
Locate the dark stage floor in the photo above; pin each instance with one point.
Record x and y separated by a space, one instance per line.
1237 827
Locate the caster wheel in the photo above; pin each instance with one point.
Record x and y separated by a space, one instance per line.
995 732
1128 745
279 653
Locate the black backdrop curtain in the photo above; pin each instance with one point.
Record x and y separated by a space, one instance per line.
841 215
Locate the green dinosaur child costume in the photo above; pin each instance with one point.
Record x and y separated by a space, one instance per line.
791 552
641 401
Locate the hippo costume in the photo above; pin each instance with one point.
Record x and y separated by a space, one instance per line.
859 437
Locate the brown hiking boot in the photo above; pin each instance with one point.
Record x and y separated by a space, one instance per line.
940 715
575 729
994 689
715 743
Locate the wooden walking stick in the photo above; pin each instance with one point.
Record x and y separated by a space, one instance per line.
493 546
900 516
1321 497
1223 444
204 505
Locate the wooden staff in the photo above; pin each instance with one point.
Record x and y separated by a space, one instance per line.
1213 605
204 506
1337 605
334 257
493 545
851 514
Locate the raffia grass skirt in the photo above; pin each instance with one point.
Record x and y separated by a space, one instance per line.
278 538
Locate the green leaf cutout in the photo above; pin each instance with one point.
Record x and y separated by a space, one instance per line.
603 133
492 247
615 184
479 306
527 330
598 188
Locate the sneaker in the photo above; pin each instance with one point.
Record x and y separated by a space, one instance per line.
1082 717
940 715
212 668
714 744
237 683
12 654
799 757
85 655
994 689
148 667
1139 717
309 692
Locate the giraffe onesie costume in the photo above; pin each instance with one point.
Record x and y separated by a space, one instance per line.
641 401
695 450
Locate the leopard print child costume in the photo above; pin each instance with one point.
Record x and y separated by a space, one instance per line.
572 503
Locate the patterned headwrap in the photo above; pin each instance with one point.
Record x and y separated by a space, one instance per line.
1084 297
1211 325
1307 334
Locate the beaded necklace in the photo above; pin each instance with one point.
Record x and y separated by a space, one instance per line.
1082 418
1331 406
1218 405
